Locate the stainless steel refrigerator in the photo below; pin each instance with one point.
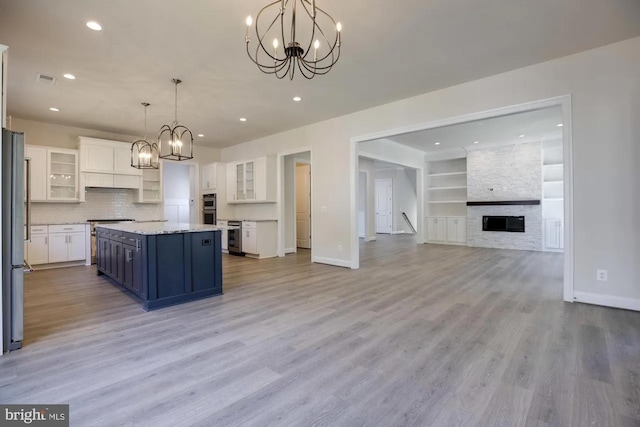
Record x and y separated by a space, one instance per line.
15 213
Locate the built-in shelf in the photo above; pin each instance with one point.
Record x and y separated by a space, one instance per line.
549 199
553 181
504 203
448 173
548 165
448 188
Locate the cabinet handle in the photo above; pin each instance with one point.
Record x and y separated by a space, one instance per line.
128 255
137 245
69 239
46 240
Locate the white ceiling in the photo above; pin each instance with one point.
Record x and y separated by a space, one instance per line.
391 51
538 125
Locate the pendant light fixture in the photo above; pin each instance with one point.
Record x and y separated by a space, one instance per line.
144 154
175 141
281 52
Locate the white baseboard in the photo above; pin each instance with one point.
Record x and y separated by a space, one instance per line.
398 232
290 250
360 236
370 239
332 261
607 300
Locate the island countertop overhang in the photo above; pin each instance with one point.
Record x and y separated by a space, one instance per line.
157 228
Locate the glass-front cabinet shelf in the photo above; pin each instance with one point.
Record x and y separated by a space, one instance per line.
63 175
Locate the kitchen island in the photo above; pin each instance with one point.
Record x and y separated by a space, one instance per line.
162 264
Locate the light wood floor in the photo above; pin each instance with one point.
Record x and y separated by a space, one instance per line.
419 336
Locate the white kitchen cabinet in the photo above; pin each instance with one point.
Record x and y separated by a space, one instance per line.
107 164
62 184
252 181
457 230
554 234
448 230
37 251
122 160
249 238
151 190
208 173
54 174
96 157
67 243
437 229
225 236
58 247
39 177
260 238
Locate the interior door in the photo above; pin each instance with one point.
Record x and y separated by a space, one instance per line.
303 205
384 206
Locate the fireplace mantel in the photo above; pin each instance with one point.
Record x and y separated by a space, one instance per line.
504 203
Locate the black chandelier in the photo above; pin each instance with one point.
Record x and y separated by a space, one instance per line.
175 141
283 59
144 154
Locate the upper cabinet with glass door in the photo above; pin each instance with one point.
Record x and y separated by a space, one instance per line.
54 174
63 175
252 181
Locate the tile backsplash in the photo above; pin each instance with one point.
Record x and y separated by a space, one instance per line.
101 203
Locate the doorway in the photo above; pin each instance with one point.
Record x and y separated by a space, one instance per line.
441 200
180 190
384 206
295 222
303 205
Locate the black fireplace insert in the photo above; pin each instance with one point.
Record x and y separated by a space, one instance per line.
514 224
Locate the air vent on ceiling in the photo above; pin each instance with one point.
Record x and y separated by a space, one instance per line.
44 78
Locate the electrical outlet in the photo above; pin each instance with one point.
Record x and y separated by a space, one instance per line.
602 275
339 249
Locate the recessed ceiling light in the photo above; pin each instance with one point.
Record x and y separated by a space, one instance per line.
54 109
437 143
297 98
521 136
200 135
243 119
476 142
560 125
94 26
69 76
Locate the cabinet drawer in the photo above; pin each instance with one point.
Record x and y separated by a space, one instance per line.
248 224
39 229
66 228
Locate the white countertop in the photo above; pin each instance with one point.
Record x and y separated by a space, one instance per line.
249 220
152 228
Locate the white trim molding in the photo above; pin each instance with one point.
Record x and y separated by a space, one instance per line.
607 300
332 261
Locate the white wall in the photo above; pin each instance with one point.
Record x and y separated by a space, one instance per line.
290 204
362 203
368 167
605 88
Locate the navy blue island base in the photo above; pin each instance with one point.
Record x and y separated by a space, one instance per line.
162 265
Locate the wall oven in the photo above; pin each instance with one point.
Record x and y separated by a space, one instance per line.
209 209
